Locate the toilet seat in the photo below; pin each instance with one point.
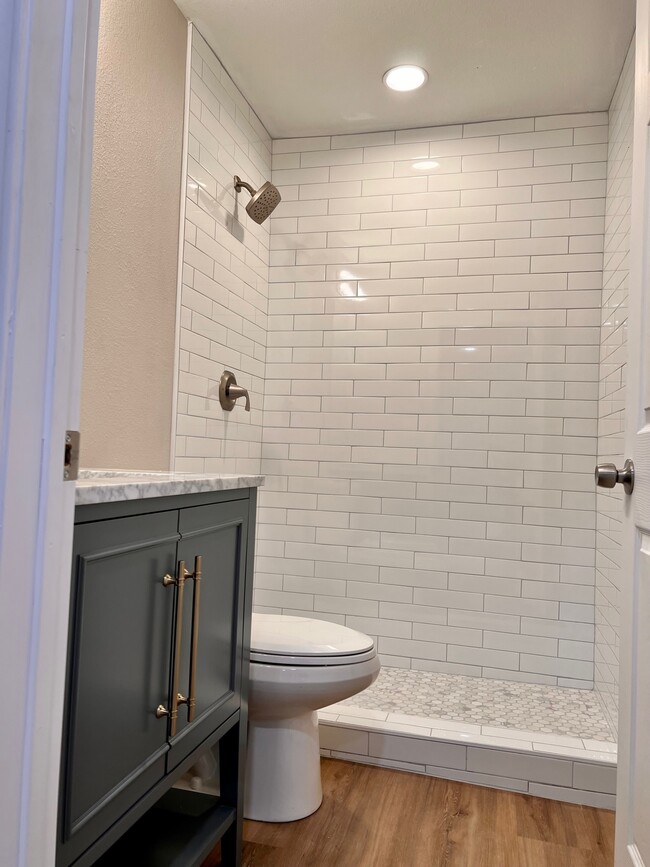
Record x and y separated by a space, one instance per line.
286 659
278 639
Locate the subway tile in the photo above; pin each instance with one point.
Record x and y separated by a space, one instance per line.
412 648
573 154
499 127
535 210
345 739
532 247
331 157
443 165
539 139
497 265
394 186
572 190
486 162
418 268
488 780
461 147
417 750
540 174
433 133
393 152
569 226
557 121
519 765
467 180
591 135
332 190
483 656
393 219
573 796
298 145
496 196
367 139
578 669
458 216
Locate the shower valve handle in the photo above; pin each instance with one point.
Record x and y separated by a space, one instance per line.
230 392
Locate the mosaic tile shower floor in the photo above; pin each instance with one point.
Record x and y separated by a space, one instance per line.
547 709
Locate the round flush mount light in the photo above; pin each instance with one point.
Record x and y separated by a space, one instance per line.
405 77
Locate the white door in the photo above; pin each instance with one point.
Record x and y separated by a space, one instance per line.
47 73
633 801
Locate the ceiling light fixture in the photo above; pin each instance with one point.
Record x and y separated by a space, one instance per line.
405 77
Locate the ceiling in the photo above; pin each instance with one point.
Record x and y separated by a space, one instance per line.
314 67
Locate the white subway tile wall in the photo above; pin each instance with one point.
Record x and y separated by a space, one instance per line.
431 402
611 397
224 293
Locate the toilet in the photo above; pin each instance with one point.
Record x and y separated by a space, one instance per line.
298 665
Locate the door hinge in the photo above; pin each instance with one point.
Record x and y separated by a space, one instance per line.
71 456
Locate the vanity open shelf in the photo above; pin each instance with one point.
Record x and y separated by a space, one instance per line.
180 831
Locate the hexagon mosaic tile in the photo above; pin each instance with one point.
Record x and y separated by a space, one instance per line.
535 707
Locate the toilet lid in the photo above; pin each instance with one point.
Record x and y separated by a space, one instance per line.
304 640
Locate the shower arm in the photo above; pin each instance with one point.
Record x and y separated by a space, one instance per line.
239 184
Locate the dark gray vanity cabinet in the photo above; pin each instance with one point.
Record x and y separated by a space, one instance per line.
157 663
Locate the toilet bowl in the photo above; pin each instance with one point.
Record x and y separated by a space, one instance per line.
298 665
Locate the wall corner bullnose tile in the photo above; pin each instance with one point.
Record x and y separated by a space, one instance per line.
611 398
435 316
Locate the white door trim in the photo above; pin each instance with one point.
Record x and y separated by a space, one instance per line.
627 853
48 54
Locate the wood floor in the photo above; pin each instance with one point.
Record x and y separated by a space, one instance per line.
372 817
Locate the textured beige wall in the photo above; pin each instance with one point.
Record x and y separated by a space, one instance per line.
132 263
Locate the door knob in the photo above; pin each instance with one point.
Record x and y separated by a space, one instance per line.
608 476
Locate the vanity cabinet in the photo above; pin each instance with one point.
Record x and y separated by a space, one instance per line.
157 663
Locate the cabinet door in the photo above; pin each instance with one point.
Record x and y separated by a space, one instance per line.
114 746
217 533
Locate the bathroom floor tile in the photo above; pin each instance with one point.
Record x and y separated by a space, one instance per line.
529 708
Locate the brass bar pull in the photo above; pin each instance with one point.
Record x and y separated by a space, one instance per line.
196 608
161 710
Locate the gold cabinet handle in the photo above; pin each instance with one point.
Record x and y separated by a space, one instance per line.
196 608
161 710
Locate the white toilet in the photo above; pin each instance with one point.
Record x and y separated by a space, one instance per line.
297 666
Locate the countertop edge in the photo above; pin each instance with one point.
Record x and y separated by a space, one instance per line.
90 491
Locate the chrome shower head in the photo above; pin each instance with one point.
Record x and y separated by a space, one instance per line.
263 201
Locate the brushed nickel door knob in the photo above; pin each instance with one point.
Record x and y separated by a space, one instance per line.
608 476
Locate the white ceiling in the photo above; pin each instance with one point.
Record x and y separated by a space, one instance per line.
313 67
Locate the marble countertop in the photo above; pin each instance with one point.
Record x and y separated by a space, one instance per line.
110 486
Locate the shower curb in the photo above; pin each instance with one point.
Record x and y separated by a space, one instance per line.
574 774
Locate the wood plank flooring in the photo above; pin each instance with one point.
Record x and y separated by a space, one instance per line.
374 817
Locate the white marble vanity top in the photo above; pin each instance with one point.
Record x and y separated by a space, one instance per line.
110 486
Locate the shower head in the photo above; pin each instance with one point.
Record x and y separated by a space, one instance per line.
263 201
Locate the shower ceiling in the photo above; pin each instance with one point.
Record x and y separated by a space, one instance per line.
313 67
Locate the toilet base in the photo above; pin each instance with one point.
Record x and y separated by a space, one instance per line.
283 769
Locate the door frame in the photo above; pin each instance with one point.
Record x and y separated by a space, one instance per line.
48 55
626 851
